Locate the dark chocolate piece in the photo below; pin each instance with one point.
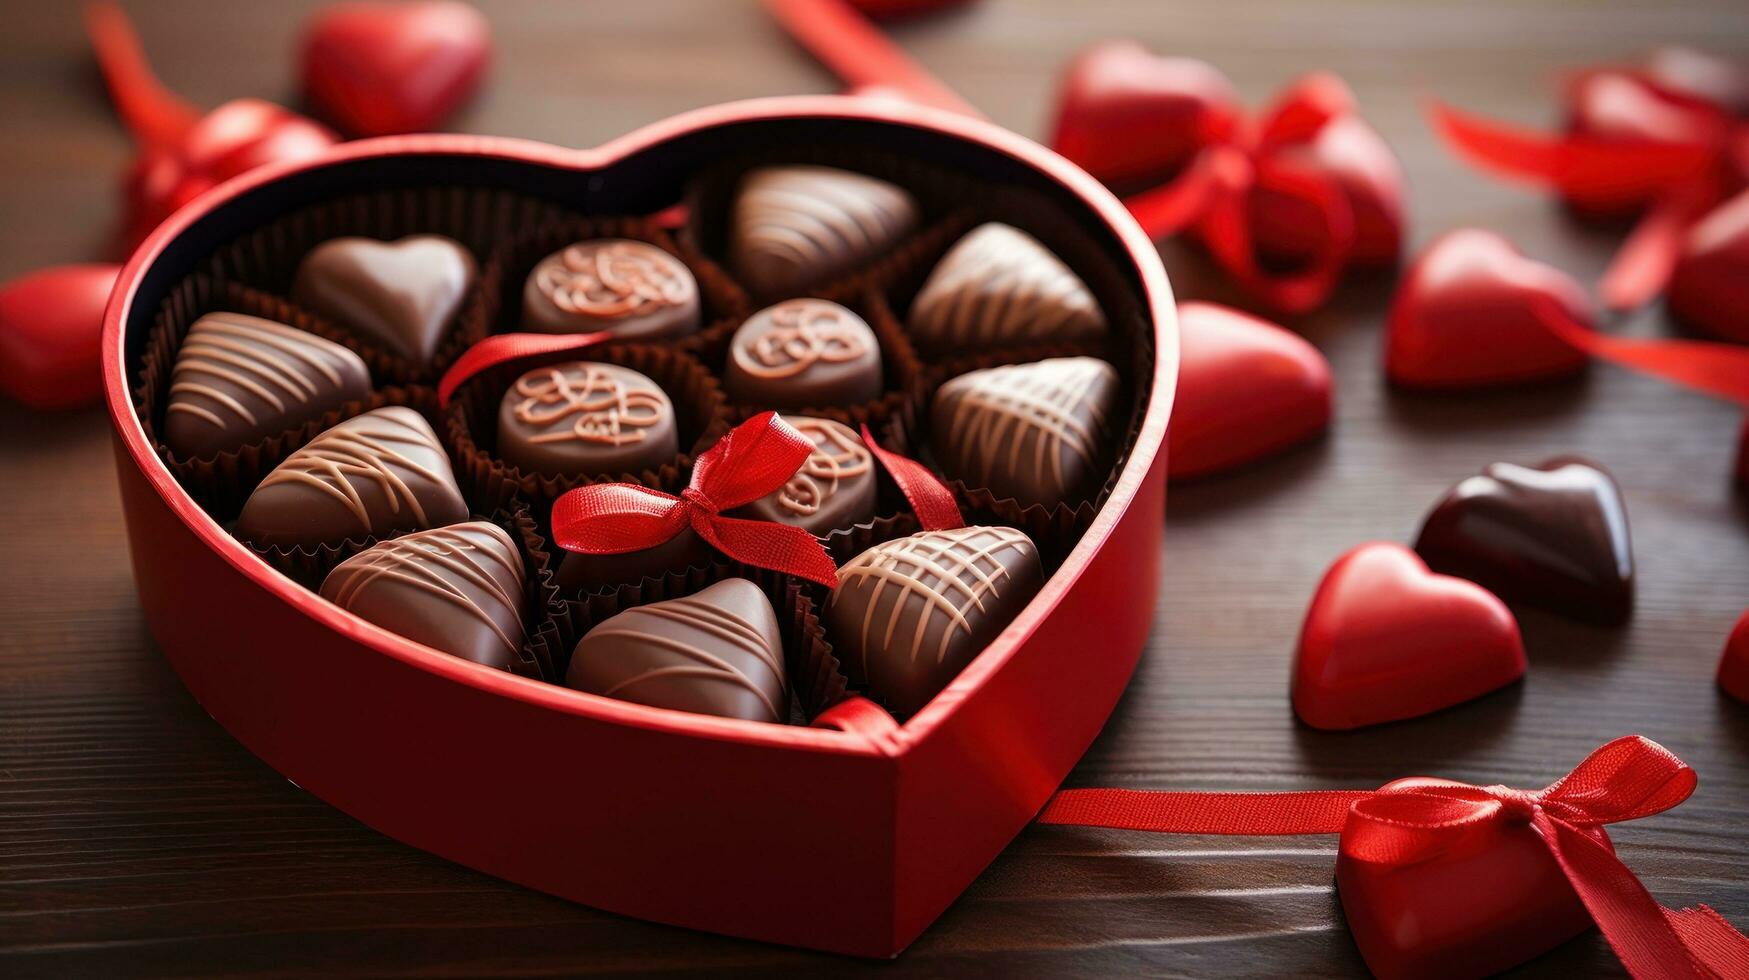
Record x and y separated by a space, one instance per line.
834 488
629 288
1552 535
997 286
803 353
377 474
716 653
579 572
797 227
1035 432
239 379
457 589
909 614
588 418
399 295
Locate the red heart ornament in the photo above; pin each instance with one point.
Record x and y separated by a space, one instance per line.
1709 288
50 323
1472 311
1386 639
1490 897
1734 665
1128 116
376 69
1246 388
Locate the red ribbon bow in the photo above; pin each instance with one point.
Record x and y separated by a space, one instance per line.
755 458
1414 820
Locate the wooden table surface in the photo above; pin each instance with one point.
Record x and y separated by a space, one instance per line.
136 838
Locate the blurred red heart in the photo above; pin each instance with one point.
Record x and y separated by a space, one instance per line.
1734 665
50 323
1128 116
1709 288
1387 639
376 69
1246 388
1472 311
1622 107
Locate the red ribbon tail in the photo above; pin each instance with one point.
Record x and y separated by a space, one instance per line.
1643 264
155 116
1714 368
860 54
1248 814
1712 940
930 499
499 348
614 518
767 544
1166 210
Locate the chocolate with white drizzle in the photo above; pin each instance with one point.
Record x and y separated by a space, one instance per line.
801 226
457 589
1034 432
717 652
834 488
909 614
803 353
998 285
585 417
627 288
377 474
239 379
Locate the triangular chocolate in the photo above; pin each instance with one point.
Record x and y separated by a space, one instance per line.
400 295
998 285
717 652
1035 432
1553 535
798 227
457 589
241 378
380 473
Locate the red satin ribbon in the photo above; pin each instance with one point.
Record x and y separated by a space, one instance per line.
930 499
755 458
499 348
860 54
1629 778
1717 369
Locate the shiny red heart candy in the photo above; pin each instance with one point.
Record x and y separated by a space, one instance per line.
1709 289
1471 312
1620 106
377 69
1246 388
1386 639
1128 116
1734 665
50 323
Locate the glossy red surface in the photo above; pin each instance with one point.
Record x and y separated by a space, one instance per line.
1709 289
378 69
50 324
1734 665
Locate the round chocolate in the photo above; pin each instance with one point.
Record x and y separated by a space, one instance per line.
796 227
585 417
716 653
1032 432
580 572
239 379
998 285
834 488
909 614
803 353
457 589
399 295
625 287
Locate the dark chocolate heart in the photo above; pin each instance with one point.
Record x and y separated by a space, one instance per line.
1553 535
400 295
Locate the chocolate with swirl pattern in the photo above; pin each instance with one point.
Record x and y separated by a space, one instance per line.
803 353
586 418
996 286
376 474
625 287
834 488
801 226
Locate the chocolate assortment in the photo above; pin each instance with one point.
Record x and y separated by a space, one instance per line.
803 353
631 289
586 417
400 296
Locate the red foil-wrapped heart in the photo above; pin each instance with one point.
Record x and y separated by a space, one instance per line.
1709 289
1473 312
375 69
50 323
1246 388
1734 665
1386 639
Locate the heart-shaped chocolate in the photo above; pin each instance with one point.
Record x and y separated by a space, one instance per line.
1471 312
376 69
1553 535
1246 388
998 285
1386 639
398 295
1351 153
1709 289
798 227
1131 117
1734 665
50 324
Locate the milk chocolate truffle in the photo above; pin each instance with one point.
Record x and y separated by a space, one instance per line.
399 295
834 488
380 473
803 353
239 379
1035 432
585 417
628 288
716 653
1552 535
998 285
579 572
457 589
797 227
909 614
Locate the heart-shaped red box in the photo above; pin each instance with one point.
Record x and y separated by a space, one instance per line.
845 840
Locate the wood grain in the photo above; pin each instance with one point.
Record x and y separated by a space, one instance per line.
137 839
